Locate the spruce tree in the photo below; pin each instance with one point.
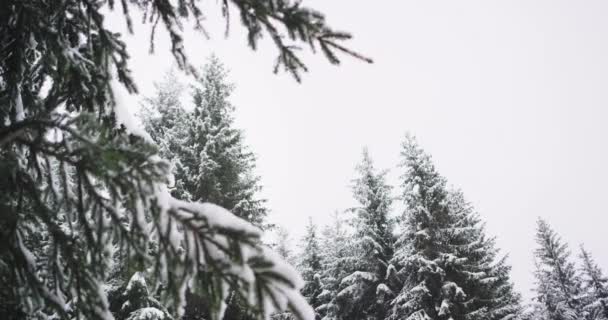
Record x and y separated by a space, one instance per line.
221 167
165 120
164 116
310 265
336 248
488 284
447 266
364 289
282 246
558 284
595 286
139 304
72 165
211 162
282 243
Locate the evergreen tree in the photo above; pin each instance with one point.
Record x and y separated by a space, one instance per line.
448 268
221 167
336 247
595 285
163 113
282 246
488 284
310 265
211 162
282 243
558 284
363 291
63 119
165 120
138 304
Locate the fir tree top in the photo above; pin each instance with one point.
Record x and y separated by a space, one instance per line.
425 196
594 277
558 283
310 263
372 223
448 267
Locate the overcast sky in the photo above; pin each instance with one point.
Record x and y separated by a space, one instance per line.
509 97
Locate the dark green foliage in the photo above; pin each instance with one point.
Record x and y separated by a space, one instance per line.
68 188
303 25
69 169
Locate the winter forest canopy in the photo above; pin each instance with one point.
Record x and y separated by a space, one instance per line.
156 210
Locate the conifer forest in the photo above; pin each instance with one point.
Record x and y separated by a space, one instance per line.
130 190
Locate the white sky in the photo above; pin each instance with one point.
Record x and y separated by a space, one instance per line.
508 96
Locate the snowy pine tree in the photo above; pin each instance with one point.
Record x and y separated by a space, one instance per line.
558 284
488 283
165 120
282 243
164 112
220 164
310 265
363 291
448 268
595 288
73 165
421 249
138 303
336 247
211 162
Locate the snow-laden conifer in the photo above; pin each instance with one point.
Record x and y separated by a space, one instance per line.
558 284
310 265
209 158
336 248
448 268
211 162
138 302
595 288
363 290
281 243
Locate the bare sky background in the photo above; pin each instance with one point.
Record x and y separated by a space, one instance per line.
509 97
